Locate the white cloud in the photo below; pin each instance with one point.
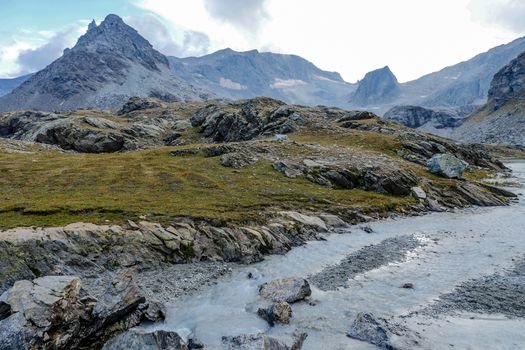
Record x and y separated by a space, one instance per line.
248 15
413 37
506 14
180 43
30 51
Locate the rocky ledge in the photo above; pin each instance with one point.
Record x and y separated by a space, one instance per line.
55 312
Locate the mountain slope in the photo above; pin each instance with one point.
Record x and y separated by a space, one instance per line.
465 83
502 119
8 85
233 74
109 64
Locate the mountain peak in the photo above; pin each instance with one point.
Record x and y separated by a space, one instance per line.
114 37
379 85
109 64
92 25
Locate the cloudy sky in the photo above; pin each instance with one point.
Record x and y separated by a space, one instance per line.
413 37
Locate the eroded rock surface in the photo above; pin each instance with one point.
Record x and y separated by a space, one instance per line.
54 312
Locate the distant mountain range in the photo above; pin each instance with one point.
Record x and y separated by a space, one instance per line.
234 75
112 62
8 85
466 83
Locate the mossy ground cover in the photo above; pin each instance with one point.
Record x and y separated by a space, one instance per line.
49 188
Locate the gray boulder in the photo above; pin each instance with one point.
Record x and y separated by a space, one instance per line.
279 312
143 340
446 165
261 341
369 329
290 290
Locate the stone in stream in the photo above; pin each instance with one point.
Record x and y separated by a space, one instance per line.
446 165
408 285
367 229
279 312
286 289
261 341
371 330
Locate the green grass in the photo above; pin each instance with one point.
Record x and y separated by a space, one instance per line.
366 140
50 188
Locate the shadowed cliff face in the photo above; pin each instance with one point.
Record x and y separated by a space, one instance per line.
508 84
502 119
109 64
378 86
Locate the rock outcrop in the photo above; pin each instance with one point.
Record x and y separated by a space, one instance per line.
54 312
245 120
429 119
108 65
87 133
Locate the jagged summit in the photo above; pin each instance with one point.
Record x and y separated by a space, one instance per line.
115 35
379 85
109 64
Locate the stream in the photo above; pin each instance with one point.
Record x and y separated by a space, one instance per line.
455 256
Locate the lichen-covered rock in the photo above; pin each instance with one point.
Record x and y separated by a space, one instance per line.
290 290
446 165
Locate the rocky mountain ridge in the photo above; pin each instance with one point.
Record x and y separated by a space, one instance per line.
502 119
465 83
290 78
108 65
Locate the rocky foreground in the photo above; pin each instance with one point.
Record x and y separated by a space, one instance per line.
155 185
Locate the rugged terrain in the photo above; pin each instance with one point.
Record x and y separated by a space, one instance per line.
463 84
230 74
501 120
159 184
108 65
